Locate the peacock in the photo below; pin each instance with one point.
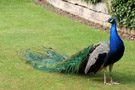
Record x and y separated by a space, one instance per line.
91 59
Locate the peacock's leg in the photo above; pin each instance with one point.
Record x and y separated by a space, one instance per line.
105 76
111 80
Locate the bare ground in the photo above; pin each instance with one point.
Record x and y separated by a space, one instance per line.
53 9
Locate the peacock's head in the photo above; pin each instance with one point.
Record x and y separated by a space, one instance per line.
111 20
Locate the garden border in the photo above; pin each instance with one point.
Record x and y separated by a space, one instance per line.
121 31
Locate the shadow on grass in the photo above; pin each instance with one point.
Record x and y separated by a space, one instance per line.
122 78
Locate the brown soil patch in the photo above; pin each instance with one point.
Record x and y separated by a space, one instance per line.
53 9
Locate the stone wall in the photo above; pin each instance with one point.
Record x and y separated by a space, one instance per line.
100 7
96 13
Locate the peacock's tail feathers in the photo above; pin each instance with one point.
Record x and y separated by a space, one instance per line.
73 64
44 58
47 59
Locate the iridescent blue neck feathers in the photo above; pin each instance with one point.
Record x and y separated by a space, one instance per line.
115 41
116 45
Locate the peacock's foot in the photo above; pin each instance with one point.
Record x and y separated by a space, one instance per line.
111 83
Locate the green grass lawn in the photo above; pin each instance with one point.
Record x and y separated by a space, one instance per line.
23 24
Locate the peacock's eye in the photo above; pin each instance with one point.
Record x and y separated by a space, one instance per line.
111 20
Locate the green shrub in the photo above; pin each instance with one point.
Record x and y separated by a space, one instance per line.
126 10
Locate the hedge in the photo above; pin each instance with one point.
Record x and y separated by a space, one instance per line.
126 10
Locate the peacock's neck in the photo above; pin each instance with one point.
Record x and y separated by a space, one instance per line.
115 40
113 33
116 47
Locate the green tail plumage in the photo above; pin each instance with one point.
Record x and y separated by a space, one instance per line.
49 60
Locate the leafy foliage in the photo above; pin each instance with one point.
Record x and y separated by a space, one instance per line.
92 1
126 10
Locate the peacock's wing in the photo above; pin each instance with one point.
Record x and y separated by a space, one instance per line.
94 56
